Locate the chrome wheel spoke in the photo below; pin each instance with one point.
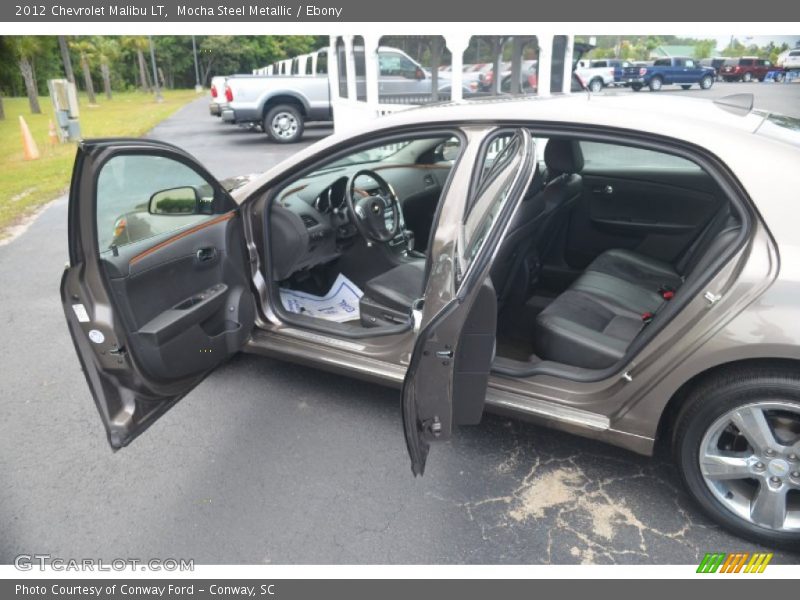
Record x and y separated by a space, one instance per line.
719 466
752 423
768 507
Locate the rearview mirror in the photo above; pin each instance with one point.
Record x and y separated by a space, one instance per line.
175 201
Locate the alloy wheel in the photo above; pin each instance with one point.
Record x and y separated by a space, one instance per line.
750 460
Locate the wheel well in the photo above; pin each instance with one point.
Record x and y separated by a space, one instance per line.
677 400
277 100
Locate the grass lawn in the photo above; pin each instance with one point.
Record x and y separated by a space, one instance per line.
24 184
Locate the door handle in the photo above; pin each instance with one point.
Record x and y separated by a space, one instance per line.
206 254
606 189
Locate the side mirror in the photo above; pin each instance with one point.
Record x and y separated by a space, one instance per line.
419 74
175 201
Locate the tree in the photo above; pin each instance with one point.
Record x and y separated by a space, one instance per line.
86 50
704 48
2 109
139 45
65 58
25 49
734 48
107 54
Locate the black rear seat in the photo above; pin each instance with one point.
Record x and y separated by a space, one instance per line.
592 324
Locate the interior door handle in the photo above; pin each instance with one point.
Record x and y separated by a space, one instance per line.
206 254
606 189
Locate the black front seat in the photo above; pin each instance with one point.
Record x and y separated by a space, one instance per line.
538 220
388 297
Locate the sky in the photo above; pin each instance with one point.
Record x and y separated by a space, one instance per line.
758 40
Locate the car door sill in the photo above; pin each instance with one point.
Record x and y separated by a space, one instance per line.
311 349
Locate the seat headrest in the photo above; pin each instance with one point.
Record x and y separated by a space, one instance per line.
537 184
563 156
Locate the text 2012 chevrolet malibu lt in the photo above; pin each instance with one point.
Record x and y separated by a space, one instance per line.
617 268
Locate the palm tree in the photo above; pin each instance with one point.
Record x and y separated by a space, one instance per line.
140 44
107 53
65 58
25 49
86 50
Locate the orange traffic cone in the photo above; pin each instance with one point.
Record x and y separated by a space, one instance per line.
29 148
52 135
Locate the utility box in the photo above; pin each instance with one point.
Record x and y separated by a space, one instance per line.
64 96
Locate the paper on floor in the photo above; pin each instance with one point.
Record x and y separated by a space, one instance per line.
339 304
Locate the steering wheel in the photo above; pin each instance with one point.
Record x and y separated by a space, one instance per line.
368 210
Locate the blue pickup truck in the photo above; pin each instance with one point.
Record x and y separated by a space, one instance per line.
667 71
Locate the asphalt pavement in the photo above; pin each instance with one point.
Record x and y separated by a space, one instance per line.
270 462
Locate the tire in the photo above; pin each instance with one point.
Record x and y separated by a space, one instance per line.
704 428
706 82
284 124
747 77
636 87
656 84
685 86
596 85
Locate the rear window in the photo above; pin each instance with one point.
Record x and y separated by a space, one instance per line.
604 157
794 53
782 128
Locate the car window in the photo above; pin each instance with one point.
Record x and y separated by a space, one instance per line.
746 62
689 63
598 156
600 63
322 63
393 64
498 169
127 183
780 127
662 62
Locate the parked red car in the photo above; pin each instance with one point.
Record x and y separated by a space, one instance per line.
746 69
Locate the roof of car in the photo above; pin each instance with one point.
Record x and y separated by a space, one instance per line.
659 114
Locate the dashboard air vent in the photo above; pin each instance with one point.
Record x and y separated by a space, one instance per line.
309 221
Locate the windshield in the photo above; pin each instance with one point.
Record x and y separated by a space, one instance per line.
369 155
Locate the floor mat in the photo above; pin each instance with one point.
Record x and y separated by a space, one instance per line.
340 304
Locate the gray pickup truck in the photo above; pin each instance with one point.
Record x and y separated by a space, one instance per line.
282 104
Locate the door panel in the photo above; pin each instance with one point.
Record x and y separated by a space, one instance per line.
445 384
201 300
656 212
156 293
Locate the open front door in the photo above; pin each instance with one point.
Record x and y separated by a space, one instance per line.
447 377
156 294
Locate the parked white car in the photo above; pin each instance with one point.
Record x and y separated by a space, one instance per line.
600 73
789 60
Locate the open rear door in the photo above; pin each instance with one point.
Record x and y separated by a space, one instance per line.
447 377
156 293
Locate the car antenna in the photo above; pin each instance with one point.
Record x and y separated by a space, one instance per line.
738 104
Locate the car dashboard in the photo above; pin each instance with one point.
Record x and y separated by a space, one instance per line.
310 223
